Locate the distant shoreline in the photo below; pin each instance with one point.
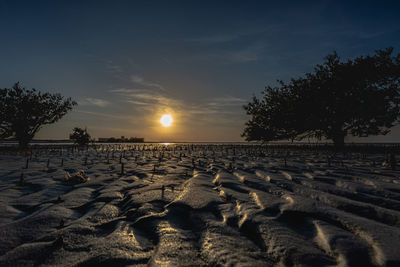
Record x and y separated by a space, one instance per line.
68 141
308 145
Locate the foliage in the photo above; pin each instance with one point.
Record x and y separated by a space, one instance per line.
23 112
80 136
357 97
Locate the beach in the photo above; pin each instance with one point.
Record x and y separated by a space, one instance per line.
198 205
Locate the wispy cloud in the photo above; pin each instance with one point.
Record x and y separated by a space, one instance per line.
141 81
226 101
232 36
216 111
213 114
104 115
154 99
215 38
147 98
217 106
247 54
94 102
128 91
148 95
241 55
369 35
113 68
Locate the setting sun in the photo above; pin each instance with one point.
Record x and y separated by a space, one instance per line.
166 120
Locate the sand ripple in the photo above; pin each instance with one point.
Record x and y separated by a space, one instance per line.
198 205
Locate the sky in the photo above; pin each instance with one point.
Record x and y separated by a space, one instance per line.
127 63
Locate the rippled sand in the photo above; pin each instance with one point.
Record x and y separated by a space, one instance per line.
199 206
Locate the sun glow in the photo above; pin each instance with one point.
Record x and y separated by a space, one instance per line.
166 120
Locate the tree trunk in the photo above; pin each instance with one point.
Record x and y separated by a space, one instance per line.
23 139
23 144
338 141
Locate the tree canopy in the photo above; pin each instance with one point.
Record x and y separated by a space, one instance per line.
24 111
358 97
80 136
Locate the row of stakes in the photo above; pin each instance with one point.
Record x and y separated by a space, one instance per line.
160 158
258 152
363 156
391 159
22 182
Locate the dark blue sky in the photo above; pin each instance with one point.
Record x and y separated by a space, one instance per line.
128 62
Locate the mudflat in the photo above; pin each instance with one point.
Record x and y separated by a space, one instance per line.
198 205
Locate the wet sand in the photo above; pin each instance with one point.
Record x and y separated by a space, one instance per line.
202 205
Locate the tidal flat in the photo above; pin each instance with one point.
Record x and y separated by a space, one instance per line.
198 205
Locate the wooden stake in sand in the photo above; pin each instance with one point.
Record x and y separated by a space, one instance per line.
27 163
392 161
59 242
122 168
21 179
48 163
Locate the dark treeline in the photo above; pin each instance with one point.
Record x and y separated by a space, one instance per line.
358 97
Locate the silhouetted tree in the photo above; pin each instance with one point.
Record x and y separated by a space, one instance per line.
23 112
360 97
80 136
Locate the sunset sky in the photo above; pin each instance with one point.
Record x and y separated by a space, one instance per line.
127 63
